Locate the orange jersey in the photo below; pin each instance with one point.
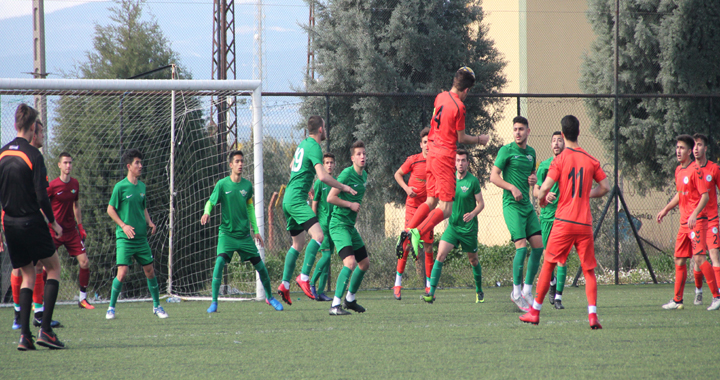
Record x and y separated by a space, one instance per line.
711 174
574 170
415 165
690 186
448 118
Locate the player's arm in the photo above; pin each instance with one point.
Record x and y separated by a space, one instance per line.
317 195
127 229
78 219
253 221
150 222
327 179
207 210
692 219
671 205
399 178
544 189
479 206
472 140
532 179
334 198
41 185
498 181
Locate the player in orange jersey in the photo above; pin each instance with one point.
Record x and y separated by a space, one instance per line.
574 169
692 196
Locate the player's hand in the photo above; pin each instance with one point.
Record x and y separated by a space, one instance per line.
348 189
516 194
484 139
128 230
259 239
411 192
692 220
204 219
660 216
355 206
550 197
153 228
468 217
2 244
81 230
543 202
532 180
56 227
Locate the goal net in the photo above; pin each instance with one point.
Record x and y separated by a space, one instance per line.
185 129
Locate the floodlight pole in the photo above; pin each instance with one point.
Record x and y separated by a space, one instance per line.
39 58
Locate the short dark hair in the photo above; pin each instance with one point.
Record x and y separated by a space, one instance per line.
314 124
328 155
64 154
570 127
356 144
687 139
425 131
700 136
556 133
234 153
464 78
25 117
522 120
463 152
130 155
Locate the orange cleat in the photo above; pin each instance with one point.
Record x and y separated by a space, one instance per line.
84 304
533 317
305 286
594 323
284 294
396 292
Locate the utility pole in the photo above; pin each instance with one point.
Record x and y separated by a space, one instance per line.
223 67
39 59
310 73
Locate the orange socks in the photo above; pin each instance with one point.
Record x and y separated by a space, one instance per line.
420 214
707 270
590 286
433 219
698 278
544 282
15 283
39 291
680 278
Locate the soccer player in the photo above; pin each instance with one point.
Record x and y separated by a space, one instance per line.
416 196
128 209
350 245
692 196
547 217
447 130
516 162
23 184
463 227
711 174
235 194
323 210
307 162
64 194
575 170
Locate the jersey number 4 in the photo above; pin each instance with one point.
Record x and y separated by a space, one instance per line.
297 161
438 115
571 177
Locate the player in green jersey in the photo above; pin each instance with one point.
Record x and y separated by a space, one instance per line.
462 230
235 194
128 209
323 210
516 163
547 217
307 162
350 245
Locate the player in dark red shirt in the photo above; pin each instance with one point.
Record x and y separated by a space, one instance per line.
64 193
692 196
574 170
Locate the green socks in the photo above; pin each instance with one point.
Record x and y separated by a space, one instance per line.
322 268
477 273
264 278
342 282
217 277
561 275
533 265
290 260
356 280
435 276
518 265
116 289
310 252
154 291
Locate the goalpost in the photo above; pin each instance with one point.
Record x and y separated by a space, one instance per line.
169 121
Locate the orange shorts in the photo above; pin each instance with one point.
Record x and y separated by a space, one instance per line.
713 235
560 243
409 213
691 242
441 175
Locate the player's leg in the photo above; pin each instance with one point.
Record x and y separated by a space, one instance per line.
533 233
683 251
560 287
410 212
27 273
76 248
698 275
448 241
122 270
585 246
324 267
52 286
153 287
715 258
545 229
39 294
220 262
297 234
317 236
443 170
343 241
517 235
699 247
248 252
427 240
475 264
363 265
15 284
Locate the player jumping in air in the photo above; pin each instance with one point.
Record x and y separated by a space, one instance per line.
516 162
574 169
692 196
128 209
323 210
307 162
415 165
463 227
350 245
547 217
235 194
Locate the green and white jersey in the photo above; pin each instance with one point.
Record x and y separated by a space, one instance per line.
342 215
465 191
516 165
548 213
307 155
129 203
234 198
324 209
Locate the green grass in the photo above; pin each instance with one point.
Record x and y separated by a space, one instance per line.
453 338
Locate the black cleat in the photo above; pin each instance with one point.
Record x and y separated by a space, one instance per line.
558 304
26 343
399 252
354 306
337 310
49 340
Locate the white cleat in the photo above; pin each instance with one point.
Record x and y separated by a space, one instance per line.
528 298
160 312
673 305
520 302
110 313
715 304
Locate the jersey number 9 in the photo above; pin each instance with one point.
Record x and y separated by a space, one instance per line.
297 161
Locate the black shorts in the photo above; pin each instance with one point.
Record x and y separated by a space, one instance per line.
28 239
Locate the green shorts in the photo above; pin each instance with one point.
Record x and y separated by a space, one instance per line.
327 244
245 247
521 222
546 227
129 248
468 241
297 214
346 236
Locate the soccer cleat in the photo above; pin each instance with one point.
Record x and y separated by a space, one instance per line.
16 321
528 298
84 304
110 313
558 305
415 240
305 286
479 297
37 322
551 293
313 290
698 299
593 319
285 294
274 303
354 306
25 343
673 305
520 302
400 247
323 298
160 312
396 292
532 317
715 304
428 298
212 308
337 310
50 340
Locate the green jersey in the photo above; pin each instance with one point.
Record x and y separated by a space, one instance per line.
465 191
516 165
307 155
234 198
129 203
324 209
342 215
548 212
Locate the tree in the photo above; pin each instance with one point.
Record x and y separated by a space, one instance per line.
665 47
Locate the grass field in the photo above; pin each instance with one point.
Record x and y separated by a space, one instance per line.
453 338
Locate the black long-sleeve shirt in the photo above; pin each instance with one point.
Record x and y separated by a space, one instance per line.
23 180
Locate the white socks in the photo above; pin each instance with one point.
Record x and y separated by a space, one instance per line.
398 279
